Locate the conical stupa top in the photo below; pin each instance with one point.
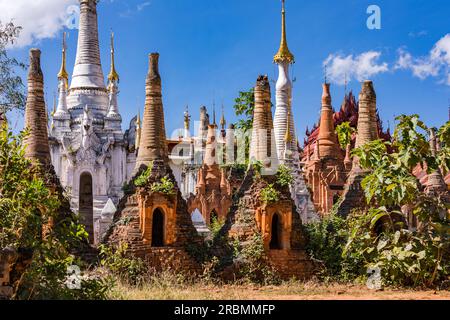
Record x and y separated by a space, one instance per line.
223 122
62 74
87 72
187 119
153 133
283 54
37 146
113 75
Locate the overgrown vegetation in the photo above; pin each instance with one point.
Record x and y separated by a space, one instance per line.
142 180
380 238
126 268
35 224
12 90
345 132
165 186
269 194
284 176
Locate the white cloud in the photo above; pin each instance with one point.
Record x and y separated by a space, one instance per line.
360 67
435 64
142 6
40 19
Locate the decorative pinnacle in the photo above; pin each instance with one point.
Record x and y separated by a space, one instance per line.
283 54
187 118
288 137
223 123
214 114
113 75
62 74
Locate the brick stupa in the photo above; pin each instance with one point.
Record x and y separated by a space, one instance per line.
367 131
277 222
156 225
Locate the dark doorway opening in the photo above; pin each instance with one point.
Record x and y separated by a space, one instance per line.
158 228
275 241
86 204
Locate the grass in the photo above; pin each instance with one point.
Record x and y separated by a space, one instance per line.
167 286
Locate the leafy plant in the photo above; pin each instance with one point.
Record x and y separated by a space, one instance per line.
142 180
12 93
116 260
284 176
269 194
37 222
165 186
344 132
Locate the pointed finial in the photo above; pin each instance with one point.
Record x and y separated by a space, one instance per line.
325 73
62 74
187 118
54 104
138 120
113 75
223 123
214 113
288 137
283 54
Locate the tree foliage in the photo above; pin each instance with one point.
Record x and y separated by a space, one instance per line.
12 90
379 237
344 132
33 220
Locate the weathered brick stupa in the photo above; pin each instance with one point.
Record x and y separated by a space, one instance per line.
36 142
325 172
263 147
37 150
367 131
152 218
213 192
275 220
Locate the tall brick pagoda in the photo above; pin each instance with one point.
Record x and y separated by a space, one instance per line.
353 196
277 222
325 172
158 226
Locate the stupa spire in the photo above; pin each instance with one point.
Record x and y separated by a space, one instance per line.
327 136
283 54
153 137
62 74
37 146
113 75
88 72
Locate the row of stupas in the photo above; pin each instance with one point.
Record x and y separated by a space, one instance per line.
99 164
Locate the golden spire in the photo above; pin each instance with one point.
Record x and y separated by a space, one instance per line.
62 74
288 136
283 55
54 104
113 75
222 119
138 130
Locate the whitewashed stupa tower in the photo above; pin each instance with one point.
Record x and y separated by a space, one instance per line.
283 120
284 127
88 148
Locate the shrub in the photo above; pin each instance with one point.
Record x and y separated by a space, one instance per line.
27 208
116 260
269 194
143 177
326 242
284 176
165 186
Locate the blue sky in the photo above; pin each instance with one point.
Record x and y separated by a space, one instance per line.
212 49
